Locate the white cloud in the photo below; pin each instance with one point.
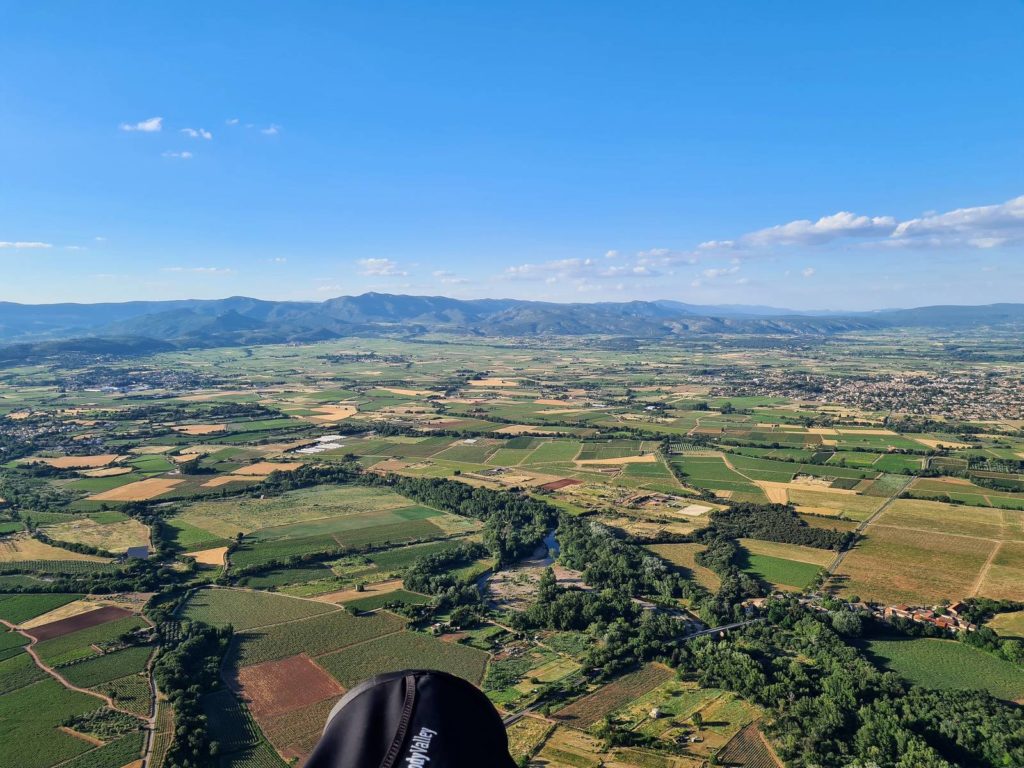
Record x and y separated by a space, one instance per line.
24 245
449 278
152 125
201 270
982 227
717 245
381 268
186 155
580 269
825 229
231 121
271 130
197 133
278 260
985 226
716 272
808 272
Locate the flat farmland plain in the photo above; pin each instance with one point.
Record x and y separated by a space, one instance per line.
898 565
225 518
404 650
314 636
1004 578
934 516
243 609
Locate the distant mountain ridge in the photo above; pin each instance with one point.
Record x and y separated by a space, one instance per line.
243 320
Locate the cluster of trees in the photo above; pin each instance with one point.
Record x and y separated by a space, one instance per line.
831 707
188 668
978 610
514 524
617 571
432 574
776 522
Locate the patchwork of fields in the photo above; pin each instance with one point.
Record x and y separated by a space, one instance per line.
265 497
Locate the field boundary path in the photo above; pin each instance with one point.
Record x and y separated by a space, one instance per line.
63 680
862 526
976 587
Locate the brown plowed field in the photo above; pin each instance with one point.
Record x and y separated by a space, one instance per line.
275 687
75 623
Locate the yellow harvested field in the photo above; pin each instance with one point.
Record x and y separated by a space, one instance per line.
930 443
777 493
867 432
344 595
19 415
548 401
200 397
112 537
197 450
105 472
649 458
150 450
200 429
264 468
75 608
389 465
328 414
494 383
822 431
20 548
409 392
78 462
215 556
518 429
217 482
140 491
833 503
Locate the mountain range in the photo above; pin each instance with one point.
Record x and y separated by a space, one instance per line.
241 320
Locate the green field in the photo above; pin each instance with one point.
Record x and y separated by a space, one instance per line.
778 572
229 722
313 636
404 650
949 664
78 645
20 608
18 671
243 609
225 518
29 718
109 666
373 602
119 752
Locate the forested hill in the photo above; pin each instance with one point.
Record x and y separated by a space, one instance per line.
241 320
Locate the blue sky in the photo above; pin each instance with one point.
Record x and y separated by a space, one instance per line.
799 154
